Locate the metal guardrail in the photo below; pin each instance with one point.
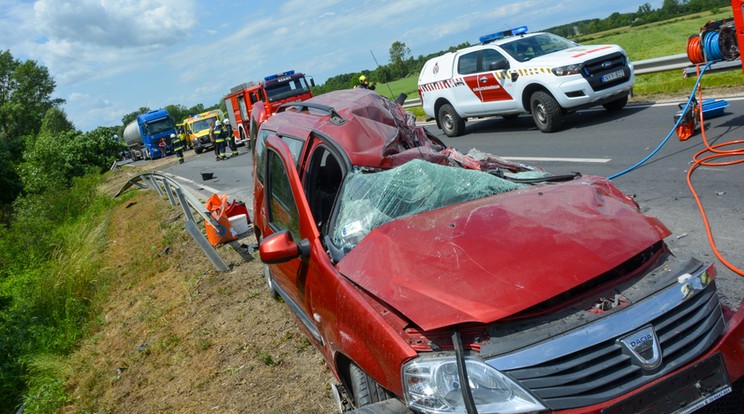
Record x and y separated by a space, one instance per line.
646 66
166 186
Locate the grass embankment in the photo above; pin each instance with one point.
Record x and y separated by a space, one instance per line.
115 309
642 42
51 280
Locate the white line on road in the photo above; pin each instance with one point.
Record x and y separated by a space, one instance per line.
589 160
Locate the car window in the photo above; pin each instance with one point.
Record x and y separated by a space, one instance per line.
493 60
295 147
283 213
325 175
260 147
468 63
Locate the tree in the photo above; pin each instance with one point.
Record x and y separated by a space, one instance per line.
398 54
25 97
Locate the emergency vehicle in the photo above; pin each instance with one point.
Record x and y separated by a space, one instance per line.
515 72
272 92
197 129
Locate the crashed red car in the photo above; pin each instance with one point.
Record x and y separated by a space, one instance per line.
414 269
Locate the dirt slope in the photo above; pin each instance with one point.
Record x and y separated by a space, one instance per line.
176 336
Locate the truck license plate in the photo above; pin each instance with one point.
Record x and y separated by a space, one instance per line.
613 75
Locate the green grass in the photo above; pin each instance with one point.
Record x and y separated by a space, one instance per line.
50 278
643 42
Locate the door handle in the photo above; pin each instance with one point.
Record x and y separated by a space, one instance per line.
484 79
459 83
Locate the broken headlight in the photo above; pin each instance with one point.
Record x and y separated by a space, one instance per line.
567 70
432 385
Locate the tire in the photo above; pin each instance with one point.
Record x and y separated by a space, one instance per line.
451 123
617 104
198 150
546 112
365 390
272 291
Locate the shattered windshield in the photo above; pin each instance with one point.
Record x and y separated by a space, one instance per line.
369 200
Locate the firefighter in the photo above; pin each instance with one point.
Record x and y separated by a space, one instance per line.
230 137
364 84
182 137
218 133
178 144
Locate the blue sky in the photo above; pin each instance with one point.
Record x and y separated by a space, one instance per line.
110 57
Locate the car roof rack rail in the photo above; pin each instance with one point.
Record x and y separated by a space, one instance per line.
336 118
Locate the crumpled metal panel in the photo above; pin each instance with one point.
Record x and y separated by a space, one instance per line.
488 258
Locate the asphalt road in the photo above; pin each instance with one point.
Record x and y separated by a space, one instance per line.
593 142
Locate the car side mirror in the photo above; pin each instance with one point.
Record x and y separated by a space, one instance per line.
280 248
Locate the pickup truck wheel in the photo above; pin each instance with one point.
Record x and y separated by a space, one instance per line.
365 390
451 123
545 111
617 104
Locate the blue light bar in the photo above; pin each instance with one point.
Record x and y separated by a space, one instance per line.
500 35
272 77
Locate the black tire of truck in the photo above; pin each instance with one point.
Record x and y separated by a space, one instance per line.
546 112
617 104
451 123
365 390
198 150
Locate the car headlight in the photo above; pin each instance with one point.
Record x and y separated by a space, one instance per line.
567 70
432 385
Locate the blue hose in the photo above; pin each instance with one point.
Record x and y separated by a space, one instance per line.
674 128
711 47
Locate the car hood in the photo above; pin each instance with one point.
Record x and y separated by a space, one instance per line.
490 258
573 55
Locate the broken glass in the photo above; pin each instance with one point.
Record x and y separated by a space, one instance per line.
369 200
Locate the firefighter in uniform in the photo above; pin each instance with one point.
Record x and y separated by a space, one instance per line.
178 144
230 137
219 140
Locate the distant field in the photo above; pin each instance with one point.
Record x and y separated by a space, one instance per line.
643 42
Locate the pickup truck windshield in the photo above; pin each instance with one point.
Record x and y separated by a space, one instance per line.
526 48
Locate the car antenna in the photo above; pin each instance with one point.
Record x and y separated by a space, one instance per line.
378 66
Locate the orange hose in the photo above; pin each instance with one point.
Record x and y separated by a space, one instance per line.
712 160
694 51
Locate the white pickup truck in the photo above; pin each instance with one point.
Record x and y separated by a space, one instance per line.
515 72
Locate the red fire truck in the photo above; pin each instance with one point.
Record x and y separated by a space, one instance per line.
273 91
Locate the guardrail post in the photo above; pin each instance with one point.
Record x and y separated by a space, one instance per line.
169 192
184 205
206 247
156 184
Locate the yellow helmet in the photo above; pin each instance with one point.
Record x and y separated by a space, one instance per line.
362 78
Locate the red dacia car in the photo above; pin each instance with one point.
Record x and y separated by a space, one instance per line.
439 282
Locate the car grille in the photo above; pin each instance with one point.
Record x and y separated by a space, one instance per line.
602 371
595 69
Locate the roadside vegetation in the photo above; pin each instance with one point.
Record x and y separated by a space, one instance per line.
90 323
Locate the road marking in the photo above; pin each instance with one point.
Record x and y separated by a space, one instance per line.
549 159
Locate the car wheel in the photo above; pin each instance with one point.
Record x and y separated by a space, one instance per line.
270 282
365 390
451 123
545 111
617 104
198 150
